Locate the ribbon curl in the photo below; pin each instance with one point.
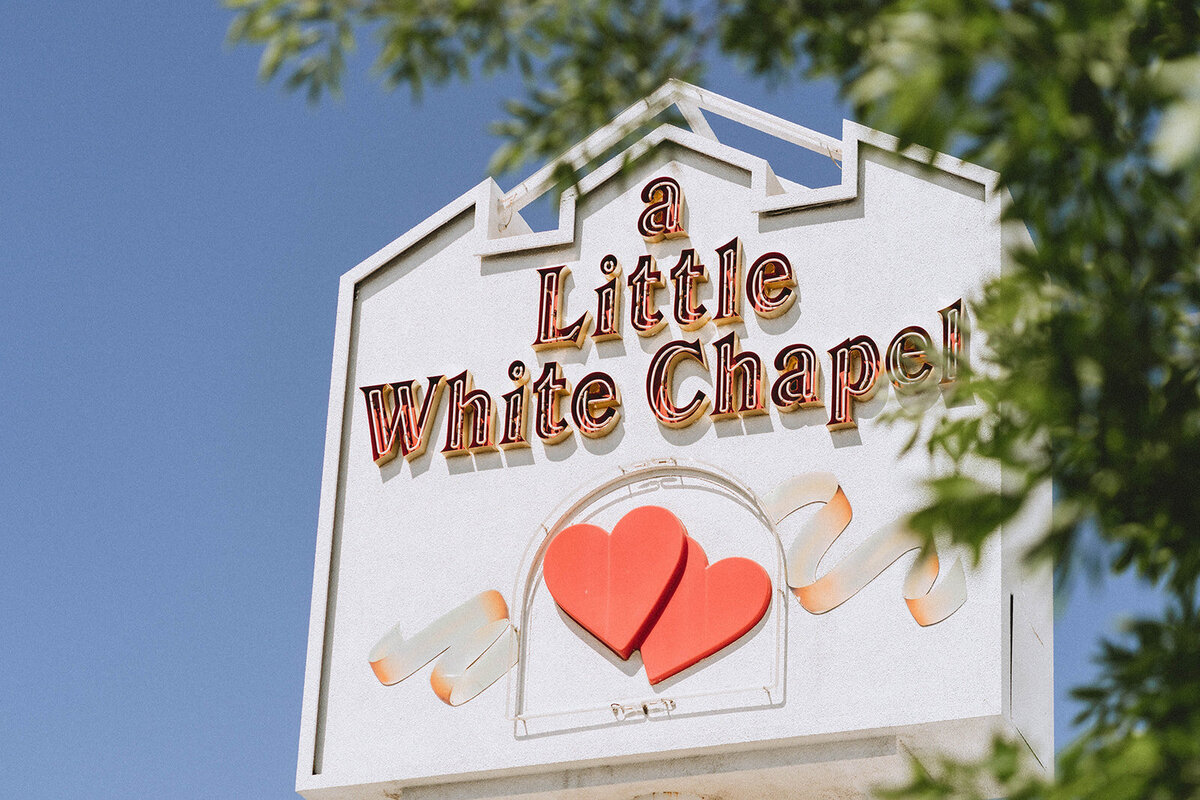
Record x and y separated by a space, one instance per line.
479 642
927 604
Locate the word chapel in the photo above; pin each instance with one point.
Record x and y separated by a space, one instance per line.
399 413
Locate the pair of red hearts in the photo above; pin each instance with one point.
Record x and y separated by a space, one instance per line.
648 586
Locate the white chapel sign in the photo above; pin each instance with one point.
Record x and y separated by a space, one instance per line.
610 509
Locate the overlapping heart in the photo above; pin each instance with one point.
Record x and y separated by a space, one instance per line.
648 586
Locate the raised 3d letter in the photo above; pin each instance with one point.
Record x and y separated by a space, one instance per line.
907 359
394 421
512 425
953 335
644 315
469 417
729 282
550 332
687 273
799 381
855 377
769 283
662 218
608 301
659 381
549 389
739 384
594 406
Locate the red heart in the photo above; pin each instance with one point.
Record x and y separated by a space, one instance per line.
712 607
616 585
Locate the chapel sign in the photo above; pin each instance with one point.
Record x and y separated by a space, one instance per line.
619 514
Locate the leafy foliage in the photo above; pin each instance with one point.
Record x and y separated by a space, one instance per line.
582 62
1090 112
1141 743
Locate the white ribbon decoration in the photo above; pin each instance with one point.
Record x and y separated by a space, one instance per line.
927 604
479 643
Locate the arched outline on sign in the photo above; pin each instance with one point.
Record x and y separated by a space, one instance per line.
648 476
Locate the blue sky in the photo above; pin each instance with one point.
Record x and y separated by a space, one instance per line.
171 235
